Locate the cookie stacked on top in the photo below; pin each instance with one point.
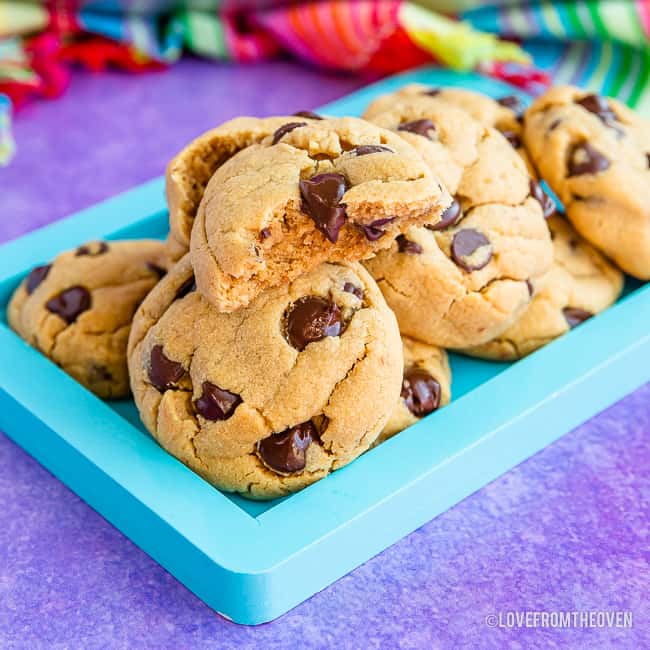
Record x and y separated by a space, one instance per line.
267 357
317 269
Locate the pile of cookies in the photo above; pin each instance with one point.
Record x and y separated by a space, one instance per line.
318 268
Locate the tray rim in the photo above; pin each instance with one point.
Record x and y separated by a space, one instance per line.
286 532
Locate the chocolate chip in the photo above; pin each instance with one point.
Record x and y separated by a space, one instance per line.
365 149
530 287
99 372
421 392
93 249
574 316
154 268
187 287
514 104
600 107
449 217
36 276
373 231
547 203
432 92
216 403
309 115
647 157
512 137
70 303
554 124
321 196
286 452
265 233
471 249
419 127
405 245
164 373
348 287
585 159
311 319
286 128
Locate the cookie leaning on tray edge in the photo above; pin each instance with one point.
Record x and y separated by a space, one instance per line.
255 332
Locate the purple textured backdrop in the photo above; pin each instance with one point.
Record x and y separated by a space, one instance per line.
567 530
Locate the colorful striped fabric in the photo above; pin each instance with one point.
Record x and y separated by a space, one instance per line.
6 141
602 45
599 44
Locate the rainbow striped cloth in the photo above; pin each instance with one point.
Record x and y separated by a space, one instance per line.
599 44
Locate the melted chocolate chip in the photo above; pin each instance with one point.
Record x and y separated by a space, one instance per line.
70 303
600 107
449 217
574 316
514 104
216 403
286 452
585 159
547 203
554 124
321 196
647 157
286 128
164 373
432 92
348 287
36 276
154 268
405 245
265 233
99 372
187 287
424 128
530 287
309 115
365 149
373 231
311 319
512 137
421 392
471 249
93 249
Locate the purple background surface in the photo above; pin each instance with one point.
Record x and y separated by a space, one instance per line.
567 530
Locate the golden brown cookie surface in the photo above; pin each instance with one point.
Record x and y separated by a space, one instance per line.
426 386
580 284
463 281
329 190
593 153
78 309
270 398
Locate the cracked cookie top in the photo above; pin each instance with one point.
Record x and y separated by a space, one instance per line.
504 113
594 153
462 281
272 397
426 386
580 284
327 190
78 309
190 170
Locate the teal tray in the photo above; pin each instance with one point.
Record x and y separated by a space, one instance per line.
251 561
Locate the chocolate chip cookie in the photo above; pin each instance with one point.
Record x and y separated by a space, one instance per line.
464 280
504 113
78 309
426 386
190 170
326 190
594 154
272 397
581 283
